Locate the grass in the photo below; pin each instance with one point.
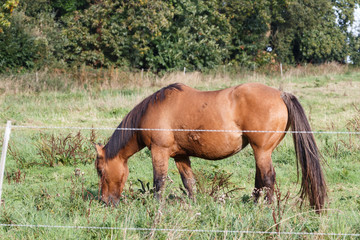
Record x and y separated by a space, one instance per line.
66 193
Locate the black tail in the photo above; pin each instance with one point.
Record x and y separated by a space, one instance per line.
313 183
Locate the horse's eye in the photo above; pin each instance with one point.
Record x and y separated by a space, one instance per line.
99 171
98 166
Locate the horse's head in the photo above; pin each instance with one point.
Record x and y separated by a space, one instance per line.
113 174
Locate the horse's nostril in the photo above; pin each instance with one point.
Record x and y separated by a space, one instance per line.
114 201
103 199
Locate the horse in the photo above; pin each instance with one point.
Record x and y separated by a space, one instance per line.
176 122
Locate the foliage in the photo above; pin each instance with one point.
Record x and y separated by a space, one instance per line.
30 42
249 22
6 9
63 7
354 45
169 35
307 31
18 47
197 37
172 35
112 32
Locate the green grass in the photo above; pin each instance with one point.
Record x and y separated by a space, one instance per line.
37 194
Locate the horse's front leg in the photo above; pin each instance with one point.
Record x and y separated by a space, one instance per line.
160 161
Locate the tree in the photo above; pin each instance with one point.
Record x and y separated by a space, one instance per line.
311 30
6 9
169 35
249 22
157 35
198 37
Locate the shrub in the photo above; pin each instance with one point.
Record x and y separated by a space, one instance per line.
18 47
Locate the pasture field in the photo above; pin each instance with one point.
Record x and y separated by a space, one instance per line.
50 177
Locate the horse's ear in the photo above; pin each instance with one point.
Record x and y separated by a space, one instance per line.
99 148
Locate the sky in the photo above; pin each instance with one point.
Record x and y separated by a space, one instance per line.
356 25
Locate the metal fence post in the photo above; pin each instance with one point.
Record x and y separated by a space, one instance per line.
3 154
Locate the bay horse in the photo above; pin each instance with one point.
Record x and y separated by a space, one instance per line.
234 113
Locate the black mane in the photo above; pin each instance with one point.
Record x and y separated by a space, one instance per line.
120 138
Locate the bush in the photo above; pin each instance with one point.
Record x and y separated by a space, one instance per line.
30 43
163 35
18 48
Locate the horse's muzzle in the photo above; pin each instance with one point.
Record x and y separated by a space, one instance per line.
110 200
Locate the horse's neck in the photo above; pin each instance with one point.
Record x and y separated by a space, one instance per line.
132 147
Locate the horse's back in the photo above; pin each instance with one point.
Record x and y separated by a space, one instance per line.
248 106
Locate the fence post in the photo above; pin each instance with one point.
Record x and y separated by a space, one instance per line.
3 155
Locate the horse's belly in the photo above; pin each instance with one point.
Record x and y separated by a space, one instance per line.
211 146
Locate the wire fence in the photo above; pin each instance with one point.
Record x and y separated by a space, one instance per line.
180 130
183 230
173 229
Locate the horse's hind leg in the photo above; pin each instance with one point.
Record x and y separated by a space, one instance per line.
265 174
160 161
183 164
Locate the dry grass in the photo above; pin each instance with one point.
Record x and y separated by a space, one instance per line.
315 70
109 90
115 78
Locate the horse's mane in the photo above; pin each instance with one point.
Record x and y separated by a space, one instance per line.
120 138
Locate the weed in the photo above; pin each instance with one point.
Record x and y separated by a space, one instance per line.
18 158
279 206
142 194
217 185
7 217
65 150
78 189
353 125
16 176
80 199
246 198
144 190
42 200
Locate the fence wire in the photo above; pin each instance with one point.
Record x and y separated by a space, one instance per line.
181 130
173 229
182 230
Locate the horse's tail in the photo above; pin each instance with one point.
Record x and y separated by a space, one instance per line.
313 183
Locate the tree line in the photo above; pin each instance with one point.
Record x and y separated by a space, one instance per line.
169 35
